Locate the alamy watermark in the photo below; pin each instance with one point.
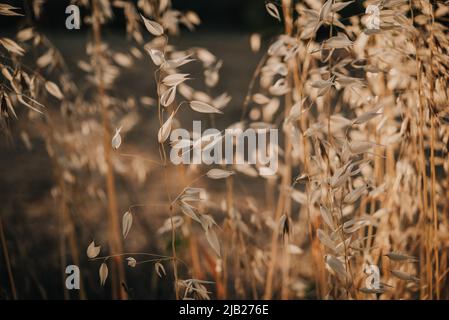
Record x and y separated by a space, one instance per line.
372 282
72 282
373 19
231 146
73 21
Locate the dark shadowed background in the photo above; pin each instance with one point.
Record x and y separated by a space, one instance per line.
231 15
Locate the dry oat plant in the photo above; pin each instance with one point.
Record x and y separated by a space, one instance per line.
356 210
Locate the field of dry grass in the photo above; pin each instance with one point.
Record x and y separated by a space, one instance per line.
357 208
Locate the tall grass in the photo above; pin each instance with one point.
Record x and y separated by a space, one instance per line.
357 209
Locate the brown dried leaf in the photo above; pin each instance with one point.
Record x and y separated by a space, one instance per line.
168 96
153 27
165 130
212 238
203 107
159 267
12 46
131 262
92 250
273 10
54 90
103 272
219 173
127 222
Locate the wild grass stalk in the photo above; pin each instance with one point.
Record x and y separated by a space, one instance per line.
118 273
7 261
